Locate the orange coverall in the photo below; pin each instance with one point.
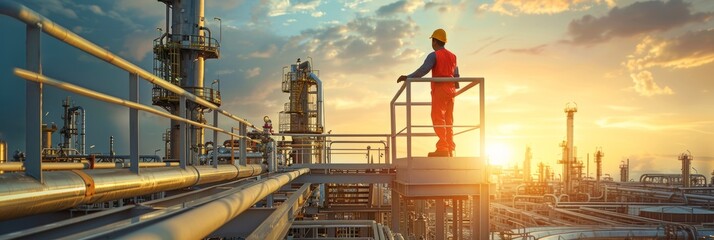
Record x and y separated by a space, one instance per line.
443 64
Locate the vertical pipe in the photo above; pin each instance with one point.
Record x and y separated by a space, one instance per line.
233 159
182 133
242 131
134 124
33 100
83 147
215 140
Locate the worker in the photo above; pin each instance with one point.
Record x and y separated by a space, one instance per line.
441 63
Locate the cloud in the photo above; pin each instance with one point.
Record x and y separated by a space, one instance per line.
445 6
537 50
537 7
653 124
693 49
632 20
361 45
48 7
250 73
138 45
283 7
272 49
96 9
318 14
646 86
354 4
141 8
403 6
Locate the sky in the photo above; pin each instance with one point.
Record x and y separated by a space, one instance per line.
640 72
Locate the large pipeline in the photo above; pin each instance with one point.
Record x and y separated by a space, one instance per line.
55 166
201 221
21 195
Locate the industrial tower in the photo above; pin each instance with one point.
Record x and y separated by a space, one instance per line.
568 153
303 114
179 57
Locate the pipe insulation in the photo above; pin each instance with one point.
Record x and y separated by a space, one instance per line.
21 195
215 214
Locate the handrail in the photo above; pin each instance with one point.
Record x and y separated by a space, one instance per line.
35 77
408 104
30 17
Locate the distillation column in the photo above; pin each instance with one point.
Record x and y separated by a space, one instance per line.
179 57
686 165
304 113
598 172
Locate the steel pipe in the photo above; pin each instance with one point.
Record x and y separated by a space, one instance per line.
19 166
201 221
29 17
21 195
35 77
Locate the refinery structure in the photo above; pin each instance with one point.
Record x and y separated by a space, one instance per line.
286 181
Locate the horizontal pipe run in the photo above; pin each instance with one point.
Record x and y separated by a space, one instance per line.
32 76
30 17
201 221
19 166
21 195
330 135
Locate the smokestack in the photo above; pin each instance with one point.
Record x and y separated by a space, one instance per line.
570 109
598 165
527 165
624 170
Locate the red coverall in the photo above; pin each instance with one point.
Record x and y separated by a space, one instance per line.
442 99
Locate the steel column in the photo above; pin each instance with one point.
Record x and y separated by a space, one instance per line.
409 122
134 124
482 123
33 110
396 200
483 217
440 212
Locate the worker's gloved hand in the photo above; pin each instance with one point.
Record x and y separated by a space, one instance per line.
401 78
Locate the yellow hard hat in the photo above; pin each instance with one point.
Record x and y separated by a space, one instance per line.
439 34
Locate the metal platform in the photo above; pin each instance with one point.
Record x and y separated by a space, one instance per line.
439 176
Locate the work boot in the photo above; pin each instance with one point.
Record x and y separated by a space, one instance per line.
438 153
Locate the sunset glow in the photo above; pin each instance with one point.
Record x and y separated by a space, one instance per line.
640 71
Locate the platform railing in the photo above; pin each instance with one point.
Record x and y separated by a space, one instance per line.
36 24
407 131
351 144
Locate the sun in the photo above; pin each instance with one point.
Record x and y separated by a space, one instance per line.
499 154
